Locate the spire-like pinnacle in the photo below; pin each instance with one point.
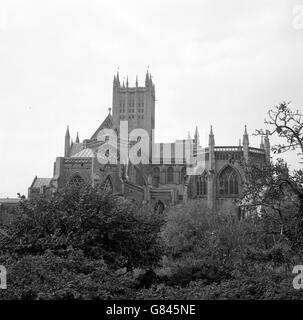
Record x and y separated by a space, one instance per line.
116 79
67 132
127 81
136 81
245 136
147 76
67 143
109 110
267 145
211 140
197 140
188 136
77 138
266 139
262 142
196 132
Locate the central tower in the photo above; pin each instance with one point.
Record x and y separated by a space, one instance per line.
134 104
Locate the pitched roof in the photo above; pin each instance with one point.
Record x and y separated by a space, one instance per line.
108 123
76 147
85 153
41 182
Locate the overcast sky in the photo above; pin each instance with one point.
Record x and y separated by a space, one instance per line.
221 63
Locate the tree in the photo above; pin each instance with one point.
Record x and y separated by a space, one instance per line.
270 186
103 226
288 125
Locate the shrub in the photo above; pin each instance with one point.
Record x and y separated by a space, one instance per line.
49 277
217 248
102 226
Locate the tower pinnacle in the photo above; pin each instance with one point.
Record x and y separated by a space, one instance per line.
197 137
267 146
147 77
245 136
211 140
67 143
67 132
262 142
245 144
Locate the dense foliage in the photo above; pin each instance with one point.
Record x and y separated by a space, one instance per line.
102 226
78 244
193 254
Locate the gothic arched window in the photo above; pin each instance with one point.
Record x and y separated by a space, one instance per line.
139 178
170 175
107 186
228 182
156 177
183 174
202 185
76 181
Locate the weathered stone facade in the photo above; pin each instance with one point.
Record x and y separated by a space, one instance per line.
217 182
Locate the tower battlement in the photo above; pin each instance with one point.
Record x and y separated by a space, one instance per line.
134 104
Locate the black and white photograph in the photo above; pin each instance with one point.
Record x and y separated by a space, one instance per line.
151 153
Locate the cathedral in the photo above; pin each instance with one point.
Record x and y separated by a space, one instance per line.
213 174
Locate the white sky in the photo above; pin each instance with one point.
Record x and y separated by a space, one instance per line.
215 62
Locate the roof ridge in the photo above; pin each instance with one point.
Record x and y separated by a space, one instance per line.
105 124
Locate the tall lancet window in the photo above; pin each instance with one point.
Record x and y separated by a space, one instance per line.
170 175
107 186
182 175
228 182
202 185
139 178
156 177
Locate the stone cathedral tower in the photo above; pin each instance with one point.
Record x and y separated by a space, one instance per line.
134 104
